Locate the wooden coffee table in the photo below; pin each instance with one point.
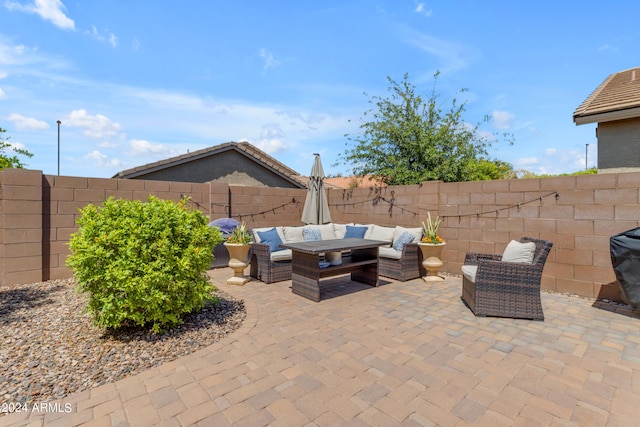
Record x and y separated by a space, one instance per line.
306 273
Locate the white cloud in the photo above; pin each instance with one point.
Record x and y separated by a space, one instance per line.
527 161
502 119
3 94
269 60
420 8
102 160
49 10
3 75
97 126
142 147
135 45
106 36
27 123
451 56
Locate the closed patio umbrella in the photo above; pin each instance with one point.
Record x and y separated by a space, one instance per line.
316 207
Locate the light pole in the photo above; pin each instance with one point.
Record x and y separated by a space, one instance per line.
586 158
59 123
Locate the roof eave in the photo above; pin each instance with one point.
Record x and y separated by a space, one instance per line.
609 116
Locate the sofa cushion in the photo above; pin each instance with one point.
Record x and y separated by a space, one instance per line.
283 255
355 232
519 252
292 234
389 253
326 230
271 238
339 230
256 237
311 234
398 244
469 271
415 232
382 233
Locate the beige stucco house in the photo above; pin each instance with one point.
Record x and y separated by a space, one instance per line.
235 163
615 107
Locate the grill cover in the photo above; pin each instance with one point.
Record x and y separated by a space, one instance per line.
226 225
625 258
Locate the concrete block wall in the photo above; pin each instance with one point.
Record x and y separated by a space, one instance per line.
38 213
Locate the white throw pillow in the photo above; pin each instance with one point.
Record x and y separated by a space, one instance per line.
519 252
292 234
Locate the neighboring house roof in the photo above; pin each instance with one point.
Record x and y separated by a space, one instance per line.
244 148
617 98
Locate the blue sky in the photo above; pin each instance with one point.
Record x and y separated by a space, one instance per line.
135 81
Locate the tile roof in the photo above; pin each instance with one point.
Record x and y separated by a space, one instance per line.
242 147
617 98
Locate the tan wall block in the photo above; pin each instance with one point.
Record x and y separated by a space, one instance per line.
22 221
70 182
594 212
21 177
21 277
512 225
89 195
130 184
575 287
151 186
540 225
602 259
102 183
575 227
624 196
627 212
595 243
21 192
524 184
119 194
604 180
594 274
481 198
504 199
548 283
25 235
19 207
26 263
582 197
556 269
495 186
556 211
558 183
23 249
574 256
628 180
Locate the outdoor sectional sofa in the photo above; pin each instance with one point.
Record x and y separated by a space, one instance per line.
269 263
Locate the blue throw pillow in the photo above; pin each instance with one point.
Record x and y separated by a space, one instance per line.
356 232
404 238
311 234
271 238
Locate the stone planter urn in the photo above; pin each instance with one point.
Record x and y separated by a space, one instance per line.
238 261
431 253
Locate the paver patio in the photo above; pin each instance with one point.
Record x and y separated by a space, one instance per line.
400 354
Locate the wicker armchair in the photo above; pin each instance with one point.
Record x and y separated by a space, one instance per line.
506 289
408 267
265 270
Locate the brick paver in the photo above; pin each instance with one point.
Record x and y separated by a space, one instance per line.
401 354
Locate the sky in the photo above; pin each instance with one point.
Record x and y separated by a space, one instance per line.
133 82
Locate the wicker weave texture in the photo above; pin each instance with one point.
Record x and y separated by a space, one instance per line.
408 267
265 270
506 289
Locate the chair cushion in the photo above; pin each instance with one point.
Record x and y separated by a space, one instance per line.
283 255
326 230
256 236
311 234
271 238
389 253
398 244
355 232
339 230
469 271
519 252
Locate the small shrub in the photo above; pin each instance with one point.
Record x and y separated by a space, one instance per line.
142 263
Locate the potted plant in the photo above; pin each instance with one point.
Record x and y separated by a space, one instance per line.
238 244
431 246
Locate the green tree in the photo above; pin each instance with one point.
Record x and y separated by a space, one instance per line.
6 160
406 139
482 170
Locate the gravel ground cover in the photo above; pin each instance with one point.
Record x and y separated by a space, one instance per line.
51 349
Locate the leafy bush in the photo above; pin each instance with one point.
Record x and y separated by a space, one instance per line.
142 263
